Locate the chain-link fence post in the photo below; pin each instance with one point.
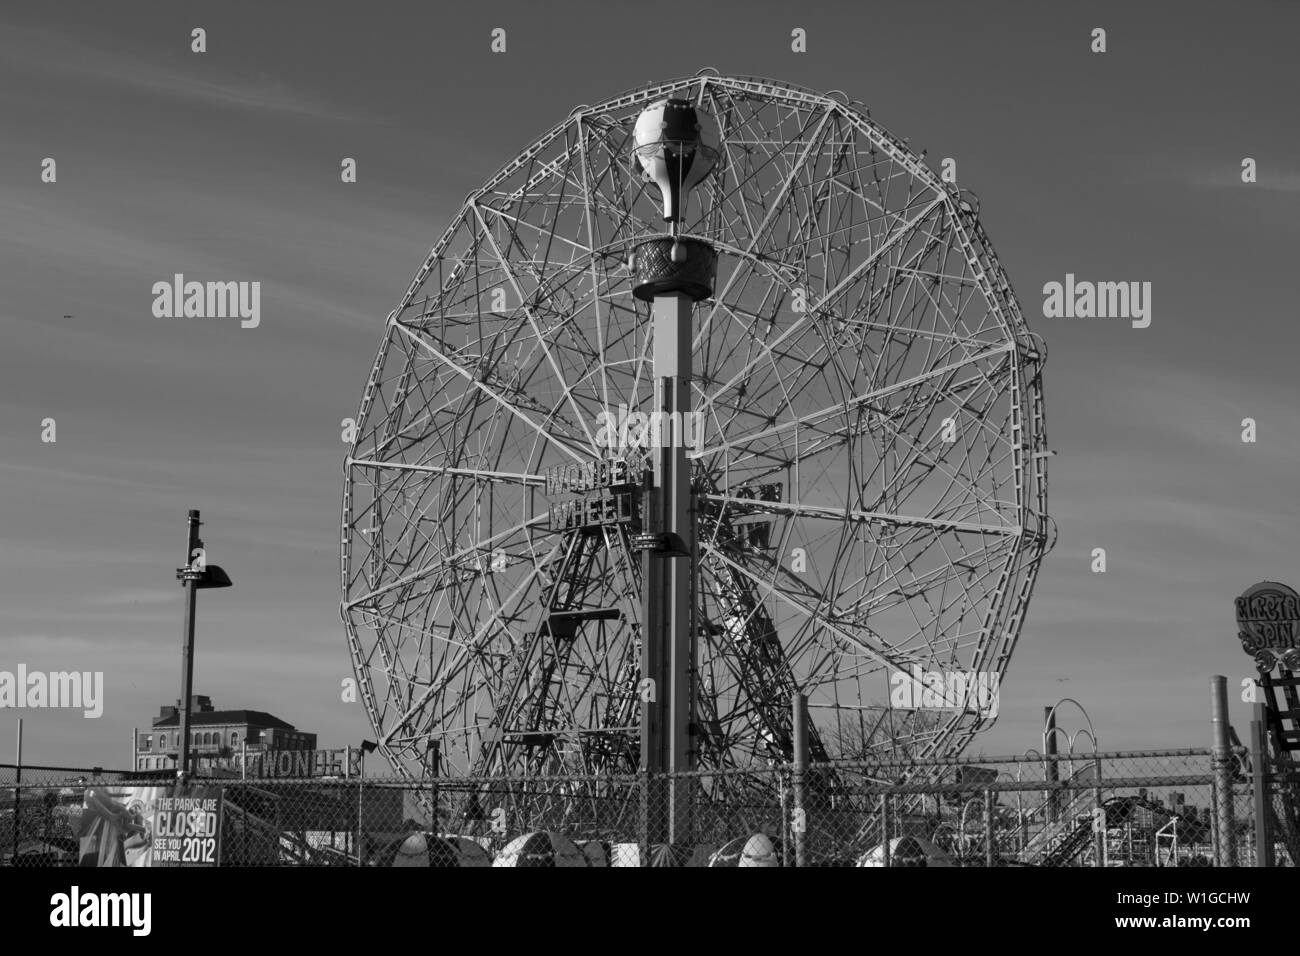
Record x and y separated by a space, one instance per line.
18 778
1259 786
786 823
884 830
361 841
1099 831
800 705
1225 842
990 843
433 766
643 820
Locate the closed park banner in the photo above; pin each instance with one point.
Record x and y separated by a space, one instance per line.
151 826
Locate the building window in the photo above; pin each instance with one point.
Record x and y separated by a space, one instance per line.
234 739
162 741
148 741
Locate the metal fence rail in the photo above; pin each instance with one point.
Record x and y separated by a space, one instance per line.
1138 808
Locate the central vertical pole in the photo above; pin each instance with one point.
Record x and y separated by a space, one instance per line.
187 651
667 649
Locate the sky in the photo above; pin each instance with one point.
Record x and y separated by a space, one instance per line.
1122 166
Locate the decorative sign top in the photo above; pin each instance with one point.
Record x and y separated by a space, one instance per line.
1268 625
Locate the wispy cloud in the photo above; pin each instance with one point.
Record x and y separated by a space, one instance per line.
1218 172
40 53
1270 180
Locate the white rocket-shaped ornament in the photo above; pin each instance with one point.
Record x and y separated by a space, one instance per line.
675 150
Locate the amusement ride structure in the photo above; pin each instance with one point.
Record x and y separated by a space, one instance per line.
714 394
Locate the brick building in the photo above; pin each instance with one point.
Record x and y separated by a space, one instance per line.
215 733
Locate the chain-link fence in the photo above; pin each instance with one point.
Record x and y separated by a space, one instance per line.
1150 808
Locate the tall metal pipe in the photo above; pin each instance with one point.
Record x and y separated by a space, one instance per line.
800 716
1225 825
1259 785
187 648
1051 768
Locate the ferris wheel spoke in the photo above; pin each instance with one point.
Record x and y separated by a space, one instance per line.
475 473
452 668
843 515
814 309
880 654
532 321
584 165
885 597
917 455
450 562
776 205
864 398
573 452
808 365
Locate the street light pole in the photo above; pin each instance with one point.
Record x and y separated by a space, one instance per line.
190 584
195 574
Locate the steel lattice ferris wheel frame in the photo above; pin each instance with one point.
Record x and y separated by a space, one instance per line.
871 476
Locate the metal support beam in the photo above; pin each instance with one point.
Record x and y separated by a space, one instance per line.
668 581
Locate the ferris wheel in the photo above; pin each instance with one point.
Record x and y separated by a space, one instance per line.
862 426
